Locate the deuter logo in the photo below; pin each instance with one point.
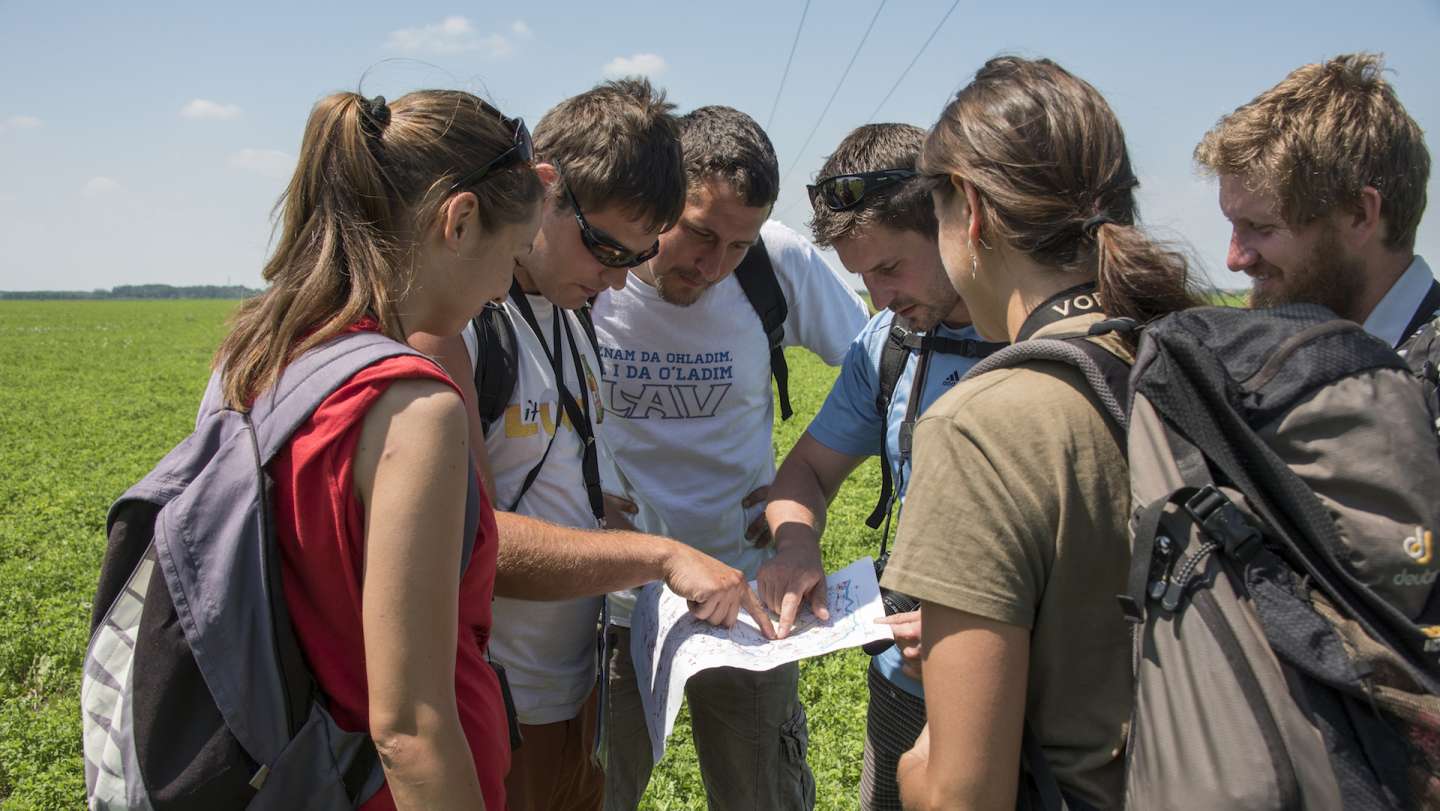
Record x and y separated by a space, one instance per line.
1419 546
1407 579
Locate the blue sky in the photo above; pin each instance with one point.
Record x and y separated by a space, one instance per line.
148 142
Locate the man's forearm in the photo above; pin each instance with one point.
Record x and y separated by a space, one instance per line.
543 561
798 503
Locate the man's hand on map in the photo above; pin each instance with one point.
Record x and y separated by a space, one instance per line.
793 575
758 533
715 592
906 628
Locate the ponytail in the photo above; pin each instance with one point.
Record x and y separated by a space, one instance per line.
1137 277
1048 158
369 179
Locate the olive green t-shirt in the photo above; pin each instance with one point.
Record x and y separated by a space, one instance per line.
1017 512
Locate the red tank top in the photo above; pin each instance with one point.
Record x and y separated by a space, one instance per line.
322 549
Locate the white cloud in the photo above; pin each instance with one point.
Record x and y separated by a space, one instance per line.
520 29
264 162
207 109
651 65
97 187
453 35
19 122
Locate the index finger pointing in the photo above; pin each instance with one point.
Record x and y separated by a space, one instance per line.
762 619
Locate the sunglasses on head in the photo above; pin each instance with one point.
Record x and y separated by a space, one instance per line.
521 150
606 250
840 192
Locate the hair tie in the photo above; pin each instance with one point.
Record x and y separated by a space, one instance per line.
1092 225
375 116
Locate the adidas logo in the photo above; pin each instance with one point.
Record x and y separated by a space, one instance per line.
952 379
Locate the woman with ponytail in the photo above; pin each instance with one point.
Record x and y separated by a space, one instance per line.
1014 533
401 218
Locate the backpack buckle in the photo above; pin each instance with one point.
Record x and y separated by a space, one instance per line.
1222 522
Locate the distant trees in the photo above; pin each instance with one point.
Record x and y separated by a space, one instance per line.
138 291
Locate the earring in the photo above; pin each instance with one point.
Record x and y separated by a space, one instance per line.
974 262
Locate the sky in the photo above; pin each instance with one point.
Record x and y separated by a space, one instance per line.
148 142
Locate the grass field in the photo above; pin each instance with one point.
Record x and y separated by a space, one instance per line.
92 394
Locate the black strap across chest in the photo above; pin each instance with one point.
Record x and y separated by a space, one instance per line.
757 279
578 412
900 345
1077 300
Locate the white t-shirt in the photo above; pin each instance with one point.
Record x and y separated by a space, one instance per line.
688 400
547 647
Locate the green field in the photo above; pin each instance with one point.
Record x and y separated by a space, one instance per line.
92 394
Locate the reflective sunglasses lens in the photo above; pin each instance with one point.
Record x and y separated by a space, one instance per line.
844 192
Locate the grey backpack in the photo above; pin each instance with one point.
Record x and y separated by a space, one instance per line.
1284 471
195 693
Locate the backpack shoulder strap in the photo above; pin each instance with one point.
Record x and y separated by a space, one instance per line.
756 276
893 357
1106 374
309 379
496 362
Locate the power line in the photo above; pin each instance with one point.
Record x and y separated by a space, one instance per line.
838 85
790 59
906 71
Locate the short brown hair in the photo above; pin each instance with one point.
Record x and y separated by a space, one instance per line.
722 142
1318 138
1047 159
618 145
904 207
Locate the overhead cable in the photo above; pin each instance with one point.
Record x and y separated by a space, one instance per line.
800 154
906 71
771 119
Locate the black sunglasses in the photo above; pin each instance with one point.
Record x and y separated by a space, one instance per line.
840 192
522 150
606 250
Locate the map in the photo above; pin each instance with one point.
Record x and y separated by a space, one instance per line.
669 645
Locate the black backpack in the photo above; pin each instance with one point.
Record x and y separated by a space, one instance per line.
1283 467
496 368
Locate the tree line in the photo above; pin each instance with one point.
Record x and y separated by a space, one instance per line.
138 291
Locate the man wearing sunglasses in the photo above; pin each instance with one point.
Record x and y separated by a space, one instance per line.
876 212
610 159
689 415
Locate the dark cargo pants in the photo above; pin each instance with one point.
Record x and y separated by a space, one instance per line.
750 737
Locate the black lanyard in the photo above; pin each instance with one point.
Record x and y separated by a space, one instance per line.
1078 300
579 415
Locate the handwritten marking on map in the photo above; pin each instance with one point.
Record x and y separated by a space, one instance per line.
668 645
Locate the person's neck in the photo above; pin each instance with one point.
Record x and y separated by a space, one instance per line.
527 282
645 273
1033 283
1384 272
958 318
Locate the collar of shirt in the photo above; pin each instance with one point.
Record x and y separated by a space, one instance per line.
1390 317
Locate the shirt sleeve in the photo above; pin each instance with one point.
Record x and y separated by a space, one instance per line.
974 529
825 314
848 422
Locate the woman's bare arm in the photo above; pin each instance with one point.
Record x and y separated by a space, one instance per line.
969 755
410 475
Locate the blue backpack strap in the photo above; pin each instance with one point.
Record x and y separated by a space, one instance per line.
756 276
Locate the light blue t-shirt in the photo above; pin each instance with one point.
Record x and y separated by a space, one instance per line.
848 422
